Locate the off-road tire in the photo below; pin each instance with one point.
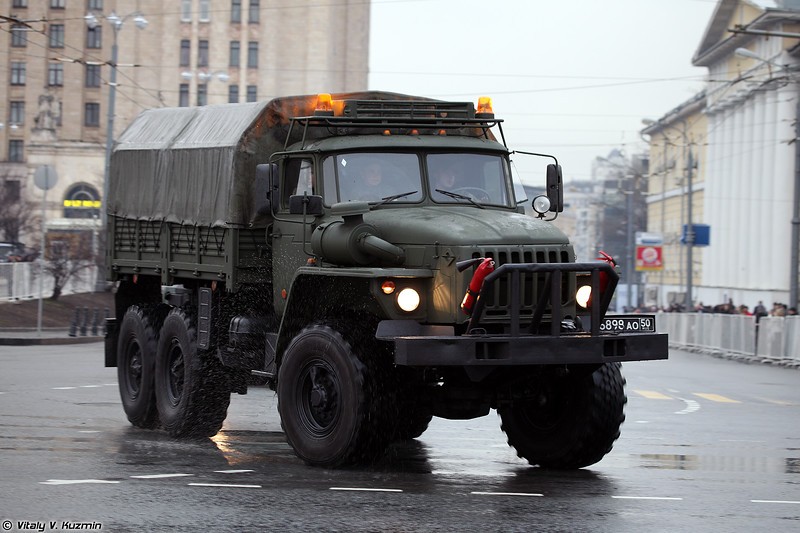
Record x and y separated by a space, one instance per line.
192 390
136 358
325 400
572 423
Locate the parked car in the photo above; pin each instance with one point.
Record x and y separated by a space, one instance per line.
15 252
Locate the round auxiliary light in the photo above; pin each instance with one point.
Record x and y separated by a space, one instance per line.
408 300
387 287
541 204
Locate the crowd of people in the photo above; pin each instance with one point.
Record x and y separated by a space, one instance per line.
728 308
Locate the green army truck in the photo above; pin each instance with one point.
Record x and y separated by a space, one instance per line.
369 256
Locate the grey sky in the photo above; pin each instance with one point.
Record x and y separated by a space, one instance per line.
572 78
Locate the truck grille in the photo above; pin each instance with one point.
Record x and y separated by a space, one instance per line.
498 298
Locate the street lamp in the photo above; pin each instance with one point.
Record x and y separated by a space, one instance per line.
204 76
116 25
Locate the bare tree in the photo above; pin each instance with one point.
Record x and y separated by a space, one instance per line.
69 256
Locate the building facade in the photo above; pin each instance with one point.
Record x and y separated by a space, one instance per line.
747 183
57 71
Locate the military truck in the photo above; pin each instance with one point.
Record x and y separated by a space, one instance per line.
308 240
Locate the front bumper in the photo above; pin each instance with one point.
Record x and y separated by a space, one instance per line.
496 350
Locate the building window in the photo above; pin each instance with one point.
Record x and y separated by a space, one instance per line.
253 12
56 36
205 15
58 4
92 76
202 94
236 10
91 114
17 73
183 98
233 94
82 201
16 113
19 3
202 53
19 37
95 4
252 54
94 37
186 48
11 191
186 10
252 93
235 50
15 149
55 74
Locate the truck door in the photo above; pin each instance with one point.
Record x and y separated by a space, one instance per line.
288 234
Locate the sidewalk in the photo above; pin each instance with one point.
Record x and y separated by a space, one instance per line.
48 336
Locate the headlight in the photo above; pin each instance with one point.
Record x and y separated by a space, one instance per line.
408 300
583 295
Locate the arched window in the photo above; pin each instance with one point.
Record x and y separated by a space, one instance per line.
82 201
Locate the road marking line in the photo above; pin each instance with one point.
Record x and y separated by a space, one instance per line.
364 489
667 498
653 395
775 501
479 493
715 397
64 388
227 485
91 386
88 431
776 402
691 407
233 471
160 476
74 481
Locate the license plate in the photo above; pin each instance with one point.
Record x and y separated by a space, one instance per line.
628 324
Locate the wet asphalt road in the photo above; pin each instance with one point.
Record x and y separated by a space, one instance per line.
708 445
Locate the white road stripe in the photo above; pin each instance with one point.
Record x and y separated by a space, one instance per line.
227 485
365 489
691 407
64 388
91 386
74 481
233 471
160 476
776 501
478 493
646 498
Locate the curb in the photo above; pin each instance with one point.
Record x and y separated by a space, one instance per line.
46 341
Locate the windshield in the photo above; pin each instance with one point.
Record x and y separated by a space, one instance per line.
372 177
452 178
480 178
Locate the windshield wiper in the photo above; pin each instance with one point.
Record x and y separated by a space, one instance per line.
460 197
387 199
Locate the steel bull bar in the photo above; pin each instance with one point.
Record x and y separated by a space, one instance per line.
421 345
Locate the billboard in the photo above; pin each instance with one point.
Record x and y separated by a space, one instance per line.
649 258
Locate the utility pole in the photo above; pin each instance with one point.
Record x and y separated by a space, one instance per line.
689 233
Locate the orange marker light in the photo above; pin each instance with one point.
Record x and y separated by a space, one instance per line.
387 132
324 105
388 287
485 105
283 293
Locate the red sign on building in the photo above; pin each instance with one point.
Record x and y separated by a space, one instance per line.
649 258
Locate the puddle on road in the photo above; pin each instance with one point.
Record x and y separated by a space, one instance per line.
788 465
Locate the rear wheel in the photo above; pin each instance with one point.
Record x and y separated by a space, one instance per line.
136 352
192 391
324 400
567 423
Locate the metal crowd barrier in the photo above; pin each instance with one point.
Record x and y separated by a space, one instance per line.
774 340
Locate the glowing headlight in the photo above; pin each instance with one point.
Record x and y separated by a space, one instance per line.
541 204
408 300
583 295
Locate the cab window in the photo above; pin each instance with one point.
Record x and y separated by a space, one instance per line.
298 179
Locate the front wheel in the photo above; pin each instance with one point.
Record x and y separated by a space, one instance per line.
192 391
567 423
323 399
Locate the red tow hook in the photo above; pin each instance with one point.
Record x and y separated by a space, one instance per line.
485 268
603 276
